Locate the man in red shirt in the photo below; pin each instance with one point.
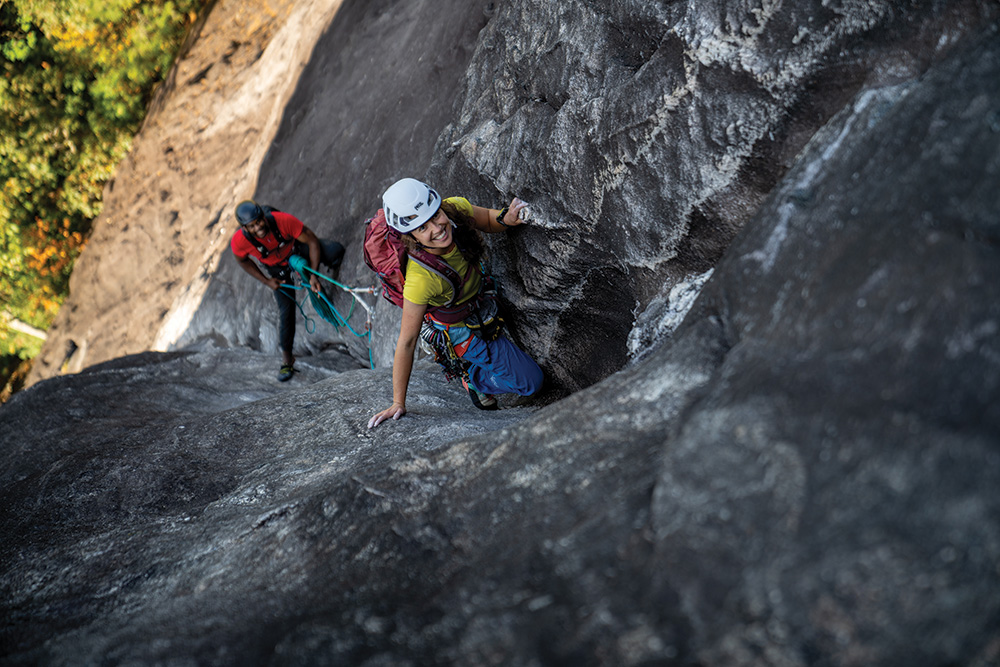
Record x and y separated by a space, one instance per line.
271 237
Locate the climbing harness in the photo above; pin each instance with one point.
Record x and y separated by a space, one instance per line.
325 308
445 355
485 319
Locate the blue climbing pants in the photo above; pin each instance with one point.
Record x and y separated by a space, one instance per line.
498 366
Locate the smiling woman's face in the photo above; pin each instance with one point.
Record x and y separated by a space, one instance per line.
435 234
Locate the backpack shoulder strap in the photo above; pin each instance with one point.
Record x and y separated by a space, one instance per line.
438 266
272 224
255 243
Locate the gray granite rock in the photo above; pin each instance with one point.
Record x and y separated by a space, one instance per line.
645 134
829 489
804 472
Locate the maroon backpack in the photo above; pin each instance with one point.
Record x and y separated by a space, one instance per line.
386 255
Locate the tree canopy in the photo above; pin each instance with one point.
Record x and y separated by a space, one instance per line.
76 77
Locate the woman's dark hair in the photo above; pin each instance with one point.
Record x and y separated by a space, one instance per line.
467 237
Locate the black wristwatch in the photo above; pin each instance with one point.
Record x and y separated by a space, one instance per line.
502 214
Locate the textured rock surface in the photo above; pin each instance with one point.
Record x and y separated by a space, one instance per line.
840 457
803 473
644 134
647 133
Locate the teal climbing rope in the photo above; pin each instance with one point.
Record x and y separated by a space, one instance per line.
325 308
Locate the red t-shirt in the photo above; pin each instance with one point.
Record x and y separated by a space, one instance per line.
289 226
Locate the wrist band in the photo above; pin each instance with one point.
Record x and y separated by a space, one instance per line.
501 214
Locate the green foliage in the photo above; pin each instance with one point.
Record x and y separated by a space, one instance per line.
76 77
18 346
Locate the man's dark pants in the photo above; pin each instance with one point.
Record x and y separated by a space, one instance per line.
332 255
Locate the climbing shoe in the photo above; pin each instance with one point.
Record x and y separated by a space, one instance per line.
285 374
479 399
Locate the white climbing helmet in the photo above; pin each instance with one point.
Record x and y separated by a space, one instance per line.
408 203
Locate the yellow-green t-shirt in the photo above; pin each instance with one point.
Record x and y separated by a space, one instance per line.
425 287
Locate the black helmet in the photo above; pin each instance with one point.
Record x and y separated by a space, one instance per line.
248 211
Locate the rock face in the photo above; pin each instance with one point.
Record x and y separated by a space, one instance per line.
804 472
644 135
858 318
647 133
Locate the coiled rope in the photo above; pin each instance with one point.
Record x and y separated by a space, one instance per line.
325 308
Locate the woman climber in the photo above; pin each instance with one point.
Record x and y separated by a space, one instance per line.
444 252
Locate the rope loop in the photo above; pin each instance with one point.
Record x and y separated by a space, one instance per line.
325 308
